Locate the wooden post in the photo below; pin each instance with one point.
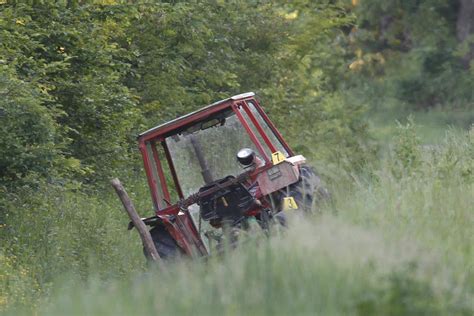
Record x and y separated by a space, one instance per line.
139 225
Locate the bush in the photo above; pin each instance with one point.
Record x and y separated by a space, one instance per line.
32 143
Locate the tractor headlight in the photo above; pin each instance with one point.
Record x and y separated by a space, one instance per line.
246 156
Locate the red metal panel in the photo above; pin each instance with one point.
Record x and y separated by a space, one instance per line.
172 169
161 174
250 132
149 174
170 210
272 127
259 127
191 233
186 235
177 232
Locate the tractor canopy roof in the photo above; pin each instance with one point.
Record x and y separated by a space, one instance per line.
183 122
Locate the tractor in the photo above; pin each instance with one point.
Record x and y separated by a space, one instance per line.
223 168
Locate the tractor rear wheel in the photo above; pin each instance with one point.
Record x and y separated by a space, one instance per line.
165 244
308 190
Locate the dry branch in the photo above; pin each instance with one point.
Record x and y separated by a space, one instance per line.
137 222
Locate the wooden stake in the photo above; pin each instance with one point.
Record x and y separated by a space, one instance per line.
139 225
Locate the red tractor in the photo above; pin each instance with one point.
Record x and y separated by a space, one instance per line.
220 169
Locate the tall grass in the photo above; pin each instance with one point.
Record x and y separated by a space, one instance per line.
51 231
324 267
397 241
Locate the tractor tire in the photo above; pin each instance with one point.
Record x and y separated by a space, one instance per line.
165 244
308 191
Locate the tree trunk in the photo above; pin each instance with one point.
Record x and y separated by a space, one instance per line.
465 28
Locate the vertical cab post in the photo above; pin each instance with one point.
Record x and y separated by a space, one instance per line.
172 169
272 127
253 137
149 174
258 127
159 169
155 175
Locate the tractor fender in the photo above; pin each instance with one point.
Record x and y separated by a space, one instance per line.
149 221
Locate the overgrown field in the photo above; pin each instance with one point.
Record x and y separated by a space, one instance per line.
80 79
395 240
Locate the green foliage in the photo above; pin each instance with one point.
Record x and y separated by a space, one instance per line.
411 158
31 142
19 286
409 51
291 54
407 148
79 79
112 70
70 62
393 244
51 231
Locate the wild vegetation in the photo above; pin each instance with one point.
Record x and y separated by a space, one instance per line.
80 79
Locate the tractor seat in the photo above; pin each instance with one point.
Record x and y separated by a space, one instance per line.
228 204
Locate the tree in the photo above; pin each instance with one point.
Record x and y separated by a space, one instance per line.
32 143
465 29
71 55
411 47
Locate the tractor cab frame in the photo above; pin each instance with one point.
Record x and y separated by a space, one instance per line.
193 158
